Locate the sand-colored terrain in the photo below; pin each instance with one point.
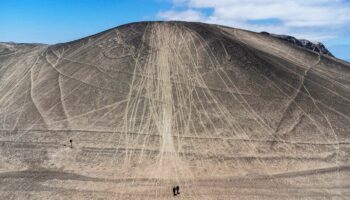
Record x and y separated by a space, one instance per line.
223 113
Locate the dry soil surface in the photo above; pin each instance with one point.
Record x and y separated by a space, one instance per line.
223 113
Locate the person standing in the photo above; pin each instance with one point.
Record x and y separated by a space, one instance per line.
174 191
177 190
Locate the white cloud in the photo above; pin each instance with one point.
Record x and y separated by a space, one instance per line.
312 19
188 15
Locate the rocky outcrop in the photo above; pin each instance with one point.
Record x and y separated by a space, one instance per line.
313 46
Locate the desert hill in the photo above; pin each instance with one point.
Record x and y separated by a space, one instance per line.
222 112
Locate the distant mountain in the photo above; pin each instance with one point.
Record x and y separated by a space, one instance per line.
12 47
317 47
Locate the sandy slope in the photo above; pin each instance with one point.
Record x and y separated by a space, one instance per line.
223 113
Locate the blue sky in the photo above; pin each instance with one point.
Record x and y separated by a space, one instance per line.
54 21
